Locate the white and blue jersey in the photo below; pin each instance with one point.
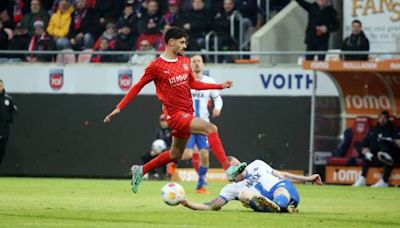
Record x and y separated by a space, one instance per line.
260 180
200 107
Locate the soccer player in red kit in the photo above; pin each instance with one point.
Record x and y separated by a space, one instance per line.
173 78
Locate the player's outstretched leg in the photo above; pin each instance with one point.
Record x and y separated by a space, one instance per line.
199 126
138 171
177 148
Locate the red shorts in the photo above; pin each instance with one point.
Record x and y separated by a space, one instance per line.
179 122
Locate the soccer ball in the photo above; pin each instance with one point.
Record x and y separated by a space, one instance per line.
172 193
158 146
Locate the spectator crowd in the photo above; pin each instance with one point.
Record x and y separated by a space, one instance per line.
120 25
130 25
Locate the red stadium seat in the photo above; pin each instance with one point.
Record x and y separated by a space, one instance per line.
360 128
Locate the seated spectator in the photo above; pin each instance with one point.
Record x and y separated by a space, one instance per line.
102 58
197 22
36 14
89 4
222 27
322 20
109 10
171 16
249 11
129 17
149 24
110 35
137 6
20 41
84 26
60 23
380 147
145 56
125 42
40 41
357 41
185 5
349 151
215 6
12 12
3 38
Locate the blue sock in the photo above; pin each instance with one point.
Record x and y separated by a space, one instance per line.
202 176
281 200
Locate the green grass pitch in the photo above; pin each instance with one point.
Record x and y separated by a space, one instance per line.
50 202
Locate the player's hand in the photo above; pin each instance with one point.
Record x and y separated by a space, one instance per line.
316 178
216 113
108 118
227 84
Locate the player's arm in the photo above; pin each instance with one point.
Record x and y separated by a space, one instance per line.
214 205
218 103
196 84
132 93
315 178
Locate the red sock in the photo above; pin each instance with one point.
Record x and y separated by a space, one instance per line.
196 161
218 150
157 162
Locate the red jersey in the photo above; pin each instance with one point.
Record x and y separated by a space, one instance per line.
173 80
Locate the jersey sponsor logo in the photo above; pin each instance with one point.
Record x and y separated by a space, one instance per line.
56 78
125 79
178 79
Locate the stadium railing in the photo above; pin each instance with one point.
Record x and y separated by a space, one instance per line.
239 56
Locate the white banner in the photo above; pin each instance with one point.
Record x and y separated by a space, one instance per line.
117 79
380 19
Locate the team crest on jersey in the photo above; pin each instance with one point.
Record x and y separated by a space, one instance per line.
185 66
56 78
125 79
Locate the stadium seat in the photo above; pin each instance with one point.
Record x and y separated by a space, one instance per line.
359 129
85 56
66 57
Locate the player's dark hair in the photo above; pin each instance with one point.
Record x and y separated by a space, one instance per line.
174 33
357 21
